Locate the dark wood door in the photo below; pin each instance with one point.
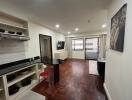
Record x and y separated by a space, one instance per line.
45 47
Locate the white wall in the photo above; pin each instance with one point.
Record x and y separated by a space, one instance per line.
32 46
59 37
78 54
11 50
118 77
14 50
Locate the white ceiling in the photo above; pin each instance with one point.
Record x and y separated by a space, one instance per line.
68 13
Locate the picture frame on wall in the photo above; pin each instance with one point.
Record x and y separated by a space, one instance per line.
118 23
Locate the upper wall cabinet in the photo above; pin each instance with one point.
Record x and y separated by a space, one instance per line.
13 28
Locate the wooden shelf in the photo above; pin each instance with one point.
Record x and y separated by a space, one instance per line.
19 78
14 36
5 84
12 97
24 38
1 89
14 26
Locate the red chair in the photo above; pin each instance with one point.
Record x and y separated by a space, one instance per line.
44 74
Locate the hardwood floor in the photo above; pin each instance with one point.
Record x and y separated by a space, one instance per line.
75 84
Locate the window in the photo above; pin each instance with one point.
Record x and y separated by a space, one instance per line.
77 44
92 45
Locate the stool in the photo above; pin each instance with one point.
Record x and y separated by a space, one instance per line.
44 74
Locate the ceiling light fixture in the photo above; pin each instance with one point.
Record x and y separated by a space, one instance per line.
76 29
57 26
69 32
104 26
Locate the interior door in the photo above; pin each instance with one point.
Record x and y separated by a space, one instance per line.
45 47
91 48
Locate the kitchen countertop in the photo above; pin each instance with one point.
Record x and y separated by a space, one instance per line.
52 62
7 68
16 67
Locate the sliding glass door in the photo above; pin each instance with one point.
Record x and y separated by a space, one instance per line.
91 48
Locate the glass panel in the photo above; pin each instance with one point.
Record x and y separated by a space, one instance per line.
77 44
78 47
91 48
92 45
79 41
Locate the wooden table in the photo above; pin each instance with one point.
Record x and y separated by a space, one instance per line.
53 68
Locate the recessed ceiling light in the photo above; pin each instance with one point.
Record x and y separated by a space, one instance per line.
57 26
76 29
104 26
69 32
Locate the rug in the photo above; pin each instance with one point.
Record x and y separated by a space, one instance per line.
93 67
30 95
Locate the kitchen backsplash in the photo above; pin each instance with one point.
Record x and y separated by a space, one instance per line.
11 50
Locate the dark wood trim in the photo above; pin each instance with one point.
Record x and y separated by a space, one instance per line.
98 48
50 44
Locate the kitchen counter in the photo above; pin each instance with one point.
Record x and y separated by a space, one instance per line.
10 67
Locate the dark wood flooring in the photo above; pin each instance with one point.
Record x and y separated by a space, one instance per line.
75 83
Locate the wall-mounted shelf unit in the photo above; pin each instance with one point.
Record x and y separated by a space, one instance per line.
2 91
12 97
19 78
13 28
13 36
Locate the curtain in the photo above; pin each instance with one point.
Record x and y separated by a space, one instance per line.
68 45
102 47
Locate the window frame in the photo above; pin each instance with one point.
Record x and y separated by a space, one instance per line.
98 45
74 44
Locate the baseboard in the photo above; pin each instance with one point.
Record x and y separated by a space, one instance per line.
107 92
77 59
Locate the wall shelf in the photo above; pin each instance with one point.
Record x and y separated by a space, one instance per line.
1 89
19 78
9 25
14 36
30 72
12 97
13 24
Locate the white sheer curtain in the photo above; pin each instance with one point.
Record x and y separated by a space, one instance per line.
102 43
69 46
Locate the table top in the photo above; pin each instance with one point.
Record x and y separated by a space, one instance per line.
9 69
52 61
102 60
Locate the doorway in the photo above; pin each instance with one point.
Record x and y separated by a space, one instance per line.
91 48
45 47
